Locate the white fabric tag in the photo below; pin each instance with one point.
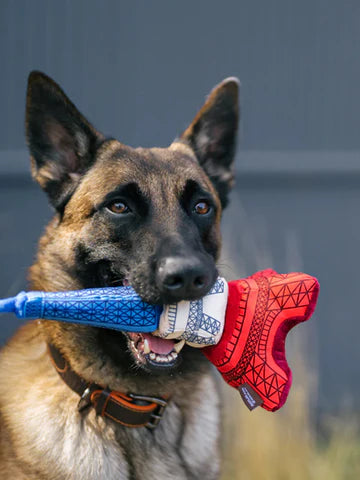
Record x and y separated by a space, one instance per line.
200 322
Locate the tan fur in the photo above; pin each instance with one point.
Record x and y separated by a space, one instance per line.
42 434
44 437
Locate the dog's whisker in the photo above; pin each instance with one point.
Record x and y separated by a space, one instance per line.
115 281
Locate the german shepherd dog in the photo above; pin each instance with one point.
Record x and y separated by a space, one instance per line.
148 218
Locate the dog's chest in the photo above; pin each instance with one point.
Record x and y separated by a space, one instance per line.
69 446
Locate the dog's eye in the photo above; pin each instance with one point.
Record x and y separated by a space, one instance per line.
118 208
202 208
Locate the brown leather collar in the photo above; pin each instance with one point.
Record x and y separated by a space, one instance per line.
130 410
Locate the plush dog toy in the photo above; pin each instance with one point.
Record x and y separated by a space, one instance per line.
251 353
241 325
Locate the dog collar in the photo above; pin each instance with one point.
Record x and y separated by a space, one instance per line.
129 410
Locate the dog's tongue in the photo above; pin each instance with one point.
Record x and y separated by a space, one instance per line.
159 345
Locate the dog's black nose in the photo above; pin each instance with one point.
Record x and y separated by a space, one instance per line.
183 278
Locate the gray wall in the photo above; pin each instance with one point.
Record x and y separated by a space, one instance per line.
139 70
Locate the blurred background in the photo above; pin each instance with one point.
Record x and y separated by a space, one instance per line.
139 71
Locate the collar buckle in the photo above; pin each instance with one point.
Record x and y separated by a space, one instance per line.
85 400
157 414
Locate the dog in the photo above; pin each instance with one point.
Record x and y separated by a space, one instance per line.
149 218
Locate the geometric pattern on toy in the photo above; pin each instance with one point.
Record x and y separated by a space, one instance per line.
201 328
261 311
119 307
200 322
218 287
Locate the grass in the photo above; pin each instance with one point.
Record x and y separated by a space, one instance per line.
285 445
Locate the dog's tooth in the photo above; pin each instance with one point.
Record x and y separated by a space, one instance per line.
146 347
178 346
174 355
152 356
170 358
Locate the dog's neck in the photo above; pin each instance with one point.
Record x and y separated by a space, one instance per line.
127 409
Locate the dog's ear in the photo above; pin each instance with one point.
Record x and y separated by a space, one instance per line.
61 141
213 132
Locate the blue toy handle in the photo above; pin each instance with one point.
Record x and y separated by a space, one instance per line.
8 305
118 308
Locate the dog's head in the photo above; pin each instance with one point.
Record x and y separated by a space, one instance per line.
145 217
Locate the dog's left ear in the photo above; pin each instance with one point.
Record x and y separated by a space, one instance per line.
212 135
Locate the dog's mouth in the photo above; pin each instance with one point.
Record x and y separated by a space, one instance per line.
151 351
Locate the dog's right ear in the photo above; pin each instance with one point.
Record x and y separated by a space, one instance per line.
62 142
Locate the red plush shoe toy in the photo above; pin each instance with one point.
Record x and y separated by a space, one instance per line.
261 310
